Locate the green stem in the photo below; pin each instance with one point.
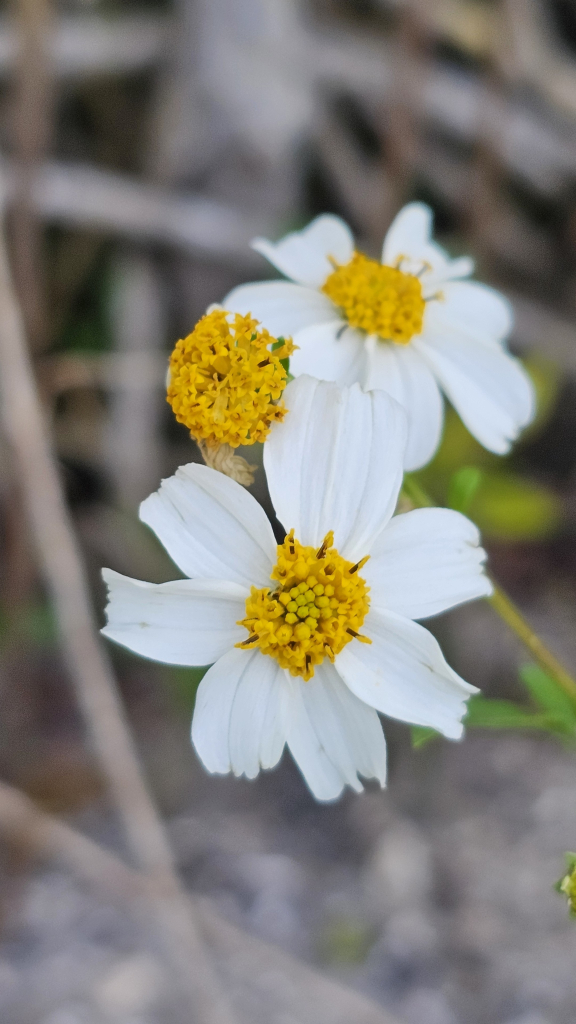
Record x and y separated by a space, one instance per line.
416 493
507 610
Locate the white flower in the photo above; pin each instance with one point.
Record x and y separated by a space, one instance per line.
302 652
406 325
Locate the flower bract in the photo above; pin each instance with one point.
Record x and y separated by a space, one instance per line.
408 324
308 639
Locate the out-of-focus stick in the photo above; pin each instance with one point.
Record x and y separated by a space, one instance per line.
89 668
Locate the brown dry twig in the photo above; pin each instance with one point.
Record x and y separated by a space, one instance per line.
34 96
88 665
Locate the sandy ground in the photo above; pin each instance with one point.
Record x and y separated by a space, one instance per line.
435 897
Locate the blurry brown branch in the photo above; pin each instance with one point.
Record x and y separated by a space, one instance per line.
33 110
84 196
88 665
251 967
111 370
139 324
88 45
534 145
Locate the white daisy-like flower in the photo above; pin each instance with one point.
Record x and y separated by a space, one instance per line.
310 638
408 325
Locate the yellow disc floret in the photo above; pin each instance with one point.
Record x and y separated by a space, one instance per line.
377 299
317 608
225 382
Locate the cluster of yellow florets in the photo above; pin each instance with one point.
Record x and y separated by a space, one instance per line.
225 382
377 299
318 608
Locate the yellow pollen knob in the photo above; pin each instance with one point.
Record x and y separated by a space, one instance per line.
301 624
224 381
377 299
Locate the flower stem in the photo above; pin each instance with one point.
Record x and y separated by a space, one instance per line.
507 610
512 616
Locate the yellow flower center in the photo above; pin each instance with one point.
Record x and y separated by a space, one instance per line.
224 381
317 608
379 300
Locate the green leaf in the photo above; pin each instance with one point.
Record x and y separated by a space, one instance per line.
510 507
462 487
484 713
505 714
421 735
547 693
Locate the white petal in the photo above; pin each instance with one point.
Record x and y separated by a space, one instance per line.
281 307
402 673
239 721
330 352
335 463
490 390
473 308
211 527
408 243
185 622
426 561
333 736
305 255
443 268
408 233
401 372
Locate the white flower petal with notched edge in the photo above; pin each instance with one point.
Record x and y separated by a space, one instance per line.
332 735
305 255
211 527
184 622
409 241
335 463
493 398
462 319
403 674
471 307
425 562
240 718
284 308
338 347
406 376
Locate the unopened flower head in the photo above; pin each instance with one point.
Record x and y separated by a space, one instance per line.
308 639
408 324
225 382
567 885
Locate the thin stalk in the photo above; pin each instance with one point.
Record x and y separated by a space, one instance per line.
507 610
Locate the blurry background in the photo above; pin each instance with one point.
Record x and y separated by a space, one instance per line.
142 145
